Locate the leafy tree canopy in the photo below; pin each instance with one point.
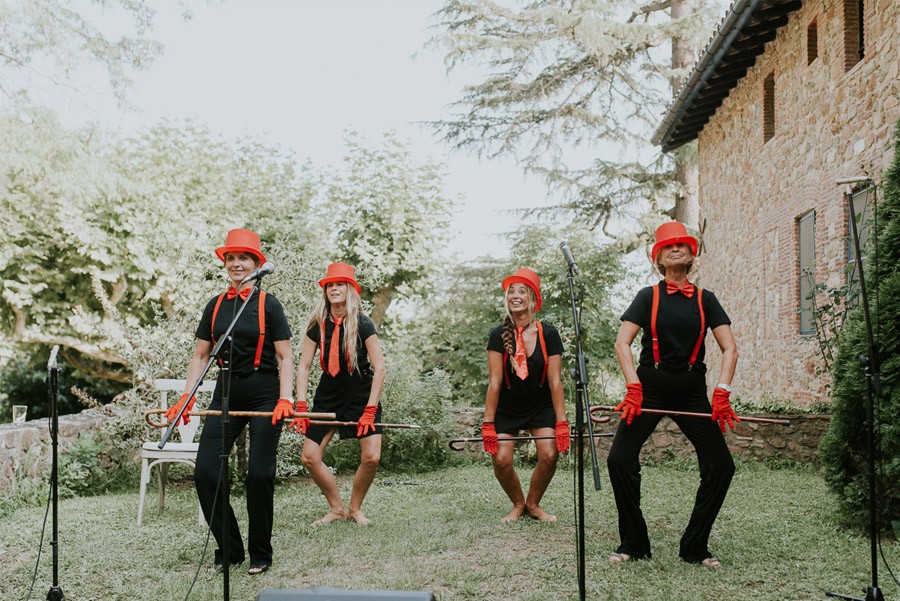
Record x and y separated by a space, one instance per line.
566 74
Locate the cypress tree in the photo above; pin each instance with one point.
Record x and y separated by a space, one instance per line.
844 449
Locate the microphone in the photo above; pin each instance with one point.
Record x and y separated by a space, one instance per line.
51 364
256 274
569 258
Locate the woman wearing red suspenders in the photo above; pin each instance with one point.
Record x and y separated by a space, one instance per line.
524 392
261 366
352 378
674 316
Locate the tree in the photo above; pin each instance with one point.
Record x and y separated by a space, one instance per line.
42 42
391 219
108 246
569 74
459 317
844 448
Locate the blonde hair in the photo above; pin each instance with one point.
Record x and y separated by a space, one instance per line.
350 322
508 332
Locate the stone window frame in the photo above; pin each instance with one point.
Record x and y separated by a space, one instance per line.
854 32
812 41
863 201
806 270
768 106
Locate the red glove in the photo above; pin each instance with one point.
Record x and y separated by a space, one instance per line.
172 412
301 424
284 408
721 409
366 423
562 436
631 404
489 438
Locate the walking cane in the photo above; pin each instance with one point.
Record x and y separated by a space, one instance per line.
758 420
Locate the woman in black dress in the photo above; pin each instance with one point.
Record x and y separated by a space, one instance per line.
671 374
353 373
261 367
524 393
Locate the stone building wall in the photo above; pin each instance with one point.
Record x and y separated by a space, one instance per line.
829 123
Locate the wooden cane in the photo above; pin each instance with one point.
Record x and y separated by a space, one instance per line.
331 423
207 412
455 442
758 420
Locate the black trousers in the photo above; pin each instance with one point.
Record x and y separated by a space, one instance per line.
256 392
681 391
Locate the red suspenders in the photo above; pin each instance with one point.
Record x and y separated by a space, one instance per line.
655 339
543 344
262 325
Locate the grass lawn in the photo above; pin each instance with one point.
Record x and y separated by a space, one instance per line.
439 531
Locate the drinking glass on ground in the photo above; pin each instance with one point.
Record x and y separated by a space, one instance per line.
19 413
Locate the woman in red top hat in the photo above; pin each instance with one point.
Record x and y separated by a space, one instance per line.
352 378
261 373
674 316
524 393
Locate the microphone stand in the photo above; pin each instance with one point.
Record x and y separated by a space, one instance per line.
225 377
55 593
871 365
582 411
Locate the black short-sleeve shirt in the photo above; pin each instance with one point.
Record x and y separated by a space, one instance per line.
677 325
525 396
246 331
345 386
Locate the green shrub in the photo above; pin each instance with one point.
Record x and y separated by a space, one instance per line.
844 448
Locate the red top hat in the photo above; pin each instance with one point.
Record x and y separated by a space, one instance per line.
241 240
530 279
672 232
340 272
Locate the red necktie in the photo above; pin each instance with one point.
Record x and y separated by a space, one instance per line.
334 353
232 292
521 359
687 289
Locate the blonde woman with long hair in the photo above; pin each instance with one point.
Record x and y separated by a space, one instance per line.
353 373
524 393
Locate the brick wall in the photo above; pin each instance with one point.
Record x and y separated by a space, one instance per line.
830 122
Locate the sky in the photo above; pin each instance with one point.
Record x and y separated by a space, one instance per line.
300 73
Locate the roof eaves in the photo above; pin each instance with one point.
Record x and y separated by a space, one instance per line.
726 33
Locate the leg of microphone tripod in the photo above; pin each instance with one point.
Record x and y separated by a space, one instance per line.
55 593
873 593
579 466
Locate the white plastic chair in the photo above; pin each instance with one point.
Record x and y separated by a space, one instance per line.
183 451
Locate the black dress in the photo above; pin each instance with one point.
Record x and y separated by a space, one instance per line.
345 394
525 403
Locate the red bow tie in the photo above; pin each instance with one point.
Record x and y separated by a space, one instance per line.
687 289
232 292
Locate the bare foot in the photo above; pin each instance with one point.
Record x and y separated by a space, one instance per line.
619 557
537 513
331 516
710 562
359 517
513 515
